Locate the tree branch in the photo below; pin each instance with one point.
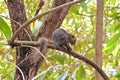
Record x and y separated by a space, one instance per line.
39 16
80 57
39 6
72 53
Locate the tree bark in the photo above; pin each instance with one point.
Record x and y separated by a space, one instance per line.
99 30
27 59
17 12
54 19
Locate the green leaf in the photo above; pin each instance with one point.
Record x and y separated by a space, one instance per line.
113 27
118 76
113 40
115 15
93 78
108 49
116 49
63 76
53 75
117 27
5 28
84 6
74 9
59 58
81 73
119 52
112 1
2 64
112 44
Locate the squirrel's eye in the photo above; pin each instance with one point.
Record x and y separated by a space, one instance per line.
72 36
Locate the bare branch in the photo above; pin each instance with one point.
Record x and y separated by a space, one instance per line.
39 16
74 54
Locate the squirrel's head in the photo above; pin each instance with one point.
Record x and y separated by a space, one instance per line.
72 39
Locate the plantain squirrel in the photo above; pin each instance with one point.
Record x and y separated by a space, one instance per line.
63 39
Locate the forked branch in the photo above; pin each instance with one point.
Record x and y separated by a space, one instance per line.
38 17
72 53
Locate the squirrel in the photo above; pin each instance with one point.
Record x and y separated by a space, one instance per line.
63 39
59 38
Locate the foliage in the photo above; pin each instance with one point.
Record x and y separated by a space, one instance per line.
5 28
81 22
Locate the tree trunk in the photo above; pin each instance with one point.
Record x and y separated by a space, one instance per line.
18 14
99 29
27 59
